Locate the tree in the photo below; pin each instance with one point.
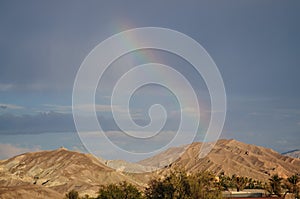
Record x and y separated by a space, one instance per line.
180 181
293 185
204 186
251 183
179 185
174 185
225 182
72 195
239 182
121 190
160 189
275 185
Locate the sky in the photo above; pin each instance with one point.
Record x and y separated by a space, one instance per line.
254 43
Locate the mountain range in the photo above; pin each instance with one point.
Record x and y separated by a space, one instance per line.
50 174
294 153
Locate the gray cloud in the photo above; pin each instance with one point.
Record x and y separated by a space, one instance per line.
255 44
39 123
52 122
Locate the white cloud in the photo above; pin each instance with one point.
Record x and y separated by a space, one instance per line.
83 107
58 108
88 108
9 150
10 106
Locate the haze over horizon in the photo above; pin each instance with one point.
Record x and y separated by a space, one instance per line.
255 45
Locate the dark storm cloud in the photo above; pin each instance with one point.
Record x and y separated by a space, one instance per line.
43 44
39 123
53 122
255 44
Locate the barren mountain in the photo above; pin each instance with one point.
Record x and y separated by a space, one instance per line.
293 154
61 170
232 157
50 174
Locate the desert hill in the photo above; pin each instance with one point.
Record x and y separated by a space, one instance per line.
231 157
50 174
61 170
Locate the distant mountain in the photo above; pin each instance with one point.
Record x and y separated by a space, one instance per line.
294 153
50 174
231 157
124 166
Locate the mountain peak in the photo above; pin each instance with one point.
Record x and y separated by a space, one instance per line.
62 149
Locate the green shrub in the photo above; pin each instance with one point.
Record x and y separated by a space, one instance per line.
117 191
